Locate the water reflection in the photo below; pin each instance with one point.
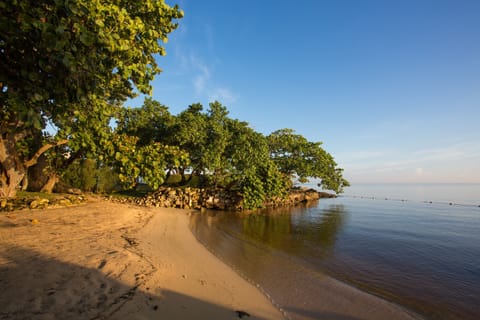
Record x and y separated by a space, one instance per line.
301 231
271 248
420 256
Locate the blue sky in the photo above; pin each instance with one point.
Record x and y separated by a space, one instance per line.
392 88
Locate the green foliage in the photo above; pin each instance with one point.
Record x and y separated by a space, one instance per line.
72 64
253 192
90 175
296 156
216 147
189 132
139 146
81 174
67 51
107 180
250 166
217 139
261 183
246 148
146 161
69 64
150 123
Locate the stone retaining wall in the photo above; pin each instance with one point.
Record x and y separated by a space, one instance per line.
219 199
185 198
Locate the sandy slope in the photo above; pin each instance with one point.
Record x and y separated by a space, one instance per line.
103 260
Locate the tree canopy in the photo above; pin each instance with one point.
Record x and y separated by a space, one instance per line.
224 151
296 156
68 64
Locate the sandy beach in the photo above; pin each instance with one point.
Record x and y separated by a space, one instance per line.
104 260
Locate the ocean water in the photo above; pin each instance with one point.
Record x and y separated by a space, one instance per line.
448 193
417 246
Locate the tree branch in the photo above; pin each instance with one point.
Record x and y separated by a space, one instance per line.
33 160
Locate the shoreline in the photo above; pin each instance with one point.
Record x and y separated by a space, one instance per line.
104 260
320 296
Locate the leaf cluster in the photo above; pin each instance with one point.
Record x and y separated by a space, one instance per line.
61 62
295 156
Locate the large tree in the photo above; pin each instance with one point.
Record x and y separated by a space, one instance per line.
189 132
67 63
224 151
295 156
144 148
250 166
151 122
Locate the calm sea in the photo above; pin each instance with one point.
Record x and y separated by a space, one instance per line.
415 245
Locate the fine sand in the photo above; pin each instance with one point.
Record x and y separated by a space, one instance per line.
103 260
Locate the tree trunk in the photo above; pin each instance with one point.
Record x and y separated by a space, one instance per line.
169 173
25 181
52 181
9 182
193 173
12 169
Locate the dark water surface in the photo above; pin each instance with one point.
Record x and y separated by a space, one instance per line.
420 255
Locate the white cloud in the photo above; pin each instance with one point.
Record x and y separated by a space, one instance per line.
204 84
222 95
198 70
201 73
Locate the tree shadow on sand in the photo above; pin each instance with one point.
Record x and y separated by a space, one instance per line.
35 286
309 314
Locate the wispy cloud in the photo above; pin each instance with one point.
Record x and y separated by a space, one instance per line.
204 84
453 152
454 163
223 95
197 65
201 76
465 149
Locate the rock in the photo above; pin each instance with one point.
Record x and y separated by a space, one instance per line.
322 194
39 203
311 195
220 199
75 191
65 202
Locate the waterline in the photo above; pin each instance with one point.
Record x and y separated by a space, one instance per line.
422 256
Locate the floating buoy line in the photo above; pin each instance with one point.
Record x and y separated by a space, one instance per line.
406 200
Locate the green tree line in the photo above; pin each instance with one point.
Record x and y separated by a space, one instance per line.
70 66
